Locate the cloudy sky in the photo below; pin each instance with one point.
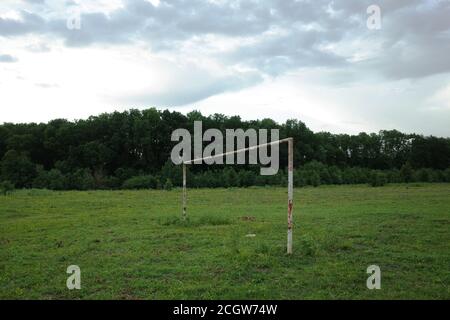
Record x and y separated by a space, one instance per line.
317 61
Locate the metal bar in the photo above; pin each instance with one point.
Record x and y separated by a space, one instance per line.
290 193
238 151
184 192
290 142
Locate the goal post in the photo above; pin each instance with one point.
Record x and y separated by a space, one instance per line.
290 143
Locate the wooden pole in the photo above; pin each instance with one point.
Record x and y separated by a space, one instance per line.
290 193
184 191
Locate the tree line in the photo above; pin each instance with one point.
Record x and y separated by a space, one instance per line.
132 149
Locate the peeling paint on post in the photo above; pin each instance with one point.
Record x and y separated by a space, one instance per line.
184 191
290 192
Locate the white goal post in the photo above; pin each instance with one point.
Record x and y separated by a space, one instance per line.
290 142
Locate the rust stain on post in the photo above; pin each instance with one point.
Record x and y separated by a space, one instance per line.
290 193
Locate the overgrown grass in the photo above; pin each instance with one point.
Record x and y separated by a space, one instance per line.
133 244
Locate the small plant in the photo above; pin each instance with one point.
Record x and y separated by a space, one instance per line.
6 187
378 179
168 185
307 246
141 182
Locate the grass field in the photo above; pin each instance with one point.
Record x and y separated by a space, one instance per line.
132 245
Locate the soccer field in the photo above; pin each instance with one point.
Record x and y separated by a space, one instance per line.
133 245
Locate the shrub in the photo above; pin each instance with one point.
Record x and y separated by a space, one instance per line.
124 174
348 176
141 182
446 175
421 175
168 185
406 172
111 182
335 175
81 179
6 187
246 178
377 179
52 179
172 172
393 176
41 180
314 179
230 177
57 181
300 179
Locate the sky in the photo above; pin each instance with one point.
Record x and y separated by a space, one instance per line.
339 66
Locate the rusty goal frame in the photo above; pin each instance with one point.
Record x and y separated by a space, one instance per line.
290 142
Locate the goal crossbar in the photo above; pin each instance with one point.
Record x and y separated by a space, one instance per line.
238 151
290 142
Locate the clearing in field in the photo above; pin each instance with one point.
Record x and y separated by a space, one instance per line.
133 244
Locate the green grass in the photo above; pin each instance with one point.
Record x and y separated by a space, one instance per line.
132 245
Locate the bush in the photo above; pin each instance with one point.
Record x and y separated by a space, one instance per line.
335 175
111 182
378 179
246 178
406 172
421 175
141 182
41 180
172 172
6 187
314 179
300 179
81 179
393 176
168 185
124 174
446 175
57 181
53 180
230 177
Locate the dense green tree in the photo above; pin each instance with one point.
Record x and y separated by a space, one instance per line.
18 169
106 150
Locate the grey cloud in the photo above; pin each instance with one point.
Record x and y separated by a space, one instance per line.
295 50
31 23
417 42
97 28
199 86
415 34
7 58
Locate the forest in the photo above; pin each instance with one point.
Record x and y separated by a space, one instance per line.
131 150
